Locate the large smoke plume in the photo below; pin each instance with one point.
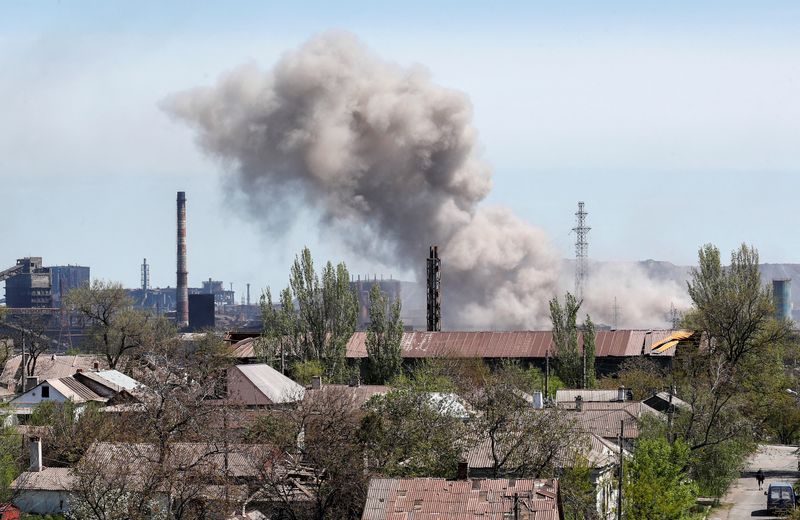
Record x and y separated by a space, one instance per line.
383 150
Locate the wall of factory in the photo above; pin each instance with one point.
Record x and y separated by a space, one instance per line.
201 312
64 278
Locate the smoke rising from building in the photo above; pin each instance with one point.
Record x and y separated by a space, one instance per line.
389 160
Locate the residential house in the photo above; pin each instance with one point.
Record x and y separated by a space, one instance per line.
260 385
601 456
439 499
226 474
52 366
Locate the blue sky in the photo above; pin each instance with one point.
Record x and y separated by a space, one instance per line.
678 124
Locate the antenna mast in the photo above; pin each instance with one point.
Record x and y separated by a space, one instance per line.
581 251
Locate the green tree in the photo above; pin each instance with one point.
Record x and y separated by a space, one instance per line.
408 433
319 326
578 494
656 484
384 334
733 367
590 375
569 362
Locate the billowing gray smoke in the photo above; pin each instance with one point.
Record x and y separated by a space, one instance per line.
376 147
380 149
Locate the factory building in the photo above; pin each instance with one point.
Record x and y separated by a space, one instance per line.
31 285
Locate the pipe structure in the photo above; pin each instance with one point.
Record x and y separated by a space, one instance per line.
182 297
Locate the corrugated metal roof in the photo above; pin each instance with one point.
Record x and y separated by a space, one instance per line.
73 390
587 395
49 479
356 395
521 344
606 423
275 386
439 499
118 378
49 367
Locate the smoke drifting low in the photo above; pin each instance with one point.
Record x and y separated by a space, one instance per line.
388 160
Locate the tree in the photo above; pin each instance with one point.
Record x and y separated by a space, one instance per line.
29 326
384 334
656 484
114 327
523 442
732 367
325 317
316 446
409 433
641 375
574 366
590 375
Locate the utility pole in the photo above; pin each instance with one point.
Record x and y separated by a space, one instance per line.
621 474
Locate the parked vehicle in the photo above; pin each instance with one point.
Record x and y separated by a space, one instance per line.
780 498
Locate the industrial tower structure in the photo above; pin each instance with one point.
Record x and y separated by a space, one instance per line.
434 290
182 296
145 276
581 251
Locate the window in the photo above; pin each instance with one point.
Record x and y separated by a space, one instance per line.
45 392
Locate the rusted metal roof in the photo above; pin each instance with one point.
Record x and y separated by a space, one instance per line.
520 344
439 499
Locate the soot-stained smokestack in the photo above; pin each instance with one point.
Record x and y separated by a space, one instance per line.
182 299
434 290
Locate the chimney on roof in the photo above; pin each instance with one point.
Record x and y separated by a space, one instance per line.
36 454
316 382
96 366
578 403
622 393
463 470
538 400
30 382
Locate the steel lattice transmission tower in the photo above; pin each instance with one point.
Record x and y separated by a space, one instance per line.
581 250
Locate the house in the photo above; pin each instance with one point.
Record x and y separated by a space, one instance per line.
665 401
197 473
355 395
440 499
261 385
601 455
50 366
42 490
79 389
593 396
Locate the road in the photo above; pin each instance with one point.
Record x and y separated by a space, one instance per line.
744 500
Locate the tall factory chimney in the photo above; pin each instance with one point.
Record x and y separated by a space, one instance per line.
182 298
248 295
434 290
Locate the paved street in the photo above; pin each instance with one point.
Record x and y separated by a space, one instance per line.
744 500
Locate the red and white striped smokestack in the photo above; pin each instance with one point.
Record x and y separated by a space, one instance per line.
182 299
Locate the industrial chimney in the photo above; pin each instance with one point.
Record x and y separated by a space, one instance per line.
434 291
182 298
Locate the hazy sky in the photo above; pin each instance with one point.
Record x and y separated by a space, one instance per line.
677 124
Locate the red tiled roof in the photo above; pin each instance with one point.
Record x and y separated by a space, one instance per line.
439 499
521 344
